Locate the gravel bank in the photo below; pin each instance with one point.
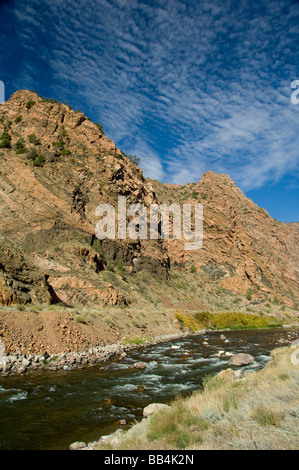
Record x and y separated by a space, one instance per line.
19 364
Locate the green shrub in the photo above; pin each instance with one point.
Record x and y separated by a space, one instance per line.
33 139
59 145
134 159
29 104
18 119
189 321
249 294
40 161
49 100
233 320
20 147
65 152
100 127
19 144
110 266
267 417
193 269
119 266
5 141
97 246
21 151
80 319
32 155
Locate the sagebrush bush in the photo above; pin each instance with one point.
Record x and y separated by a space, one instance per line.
33 139
30 103
5 141
267 417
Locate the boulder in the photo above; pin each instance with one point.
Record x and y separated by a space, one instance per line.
153 408
139 365
77 445
220 353
241 359
114 438
227 374
25 362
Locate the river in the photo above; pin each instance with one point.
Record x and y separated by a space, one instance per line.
47 410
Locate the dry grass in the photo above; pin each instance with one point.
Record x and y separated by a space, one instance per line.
260 411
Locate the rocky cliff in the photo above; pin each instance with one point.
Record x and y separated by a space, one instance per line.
57 166
244 250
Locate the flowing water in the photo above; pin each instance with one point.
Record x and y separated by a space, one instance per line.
52 409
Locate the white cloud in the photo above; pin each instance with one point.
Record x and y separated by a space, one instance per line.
186 86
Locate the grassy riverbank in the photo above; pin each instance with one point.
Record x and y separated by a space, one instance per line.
227 320
259 411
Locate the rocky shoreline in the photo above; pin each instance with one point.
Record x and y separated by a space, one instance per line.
19 364
114 439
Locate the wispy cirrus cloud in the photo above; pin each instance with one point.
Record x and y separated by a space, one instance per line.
187 86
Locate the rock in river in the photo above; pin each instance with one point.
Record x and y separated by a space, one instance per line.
139 365
241 359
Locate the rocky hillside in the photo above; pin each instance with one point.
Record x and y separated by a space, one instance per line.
57 166
245 251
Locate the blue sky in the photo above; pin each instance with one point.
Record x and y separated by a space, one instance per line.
187 86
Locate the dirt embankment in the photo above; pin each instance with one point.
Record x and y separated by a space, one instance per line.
29 332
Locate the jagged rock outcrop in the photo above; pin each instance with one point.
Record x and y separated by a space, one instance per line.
57 167
21 283
245 251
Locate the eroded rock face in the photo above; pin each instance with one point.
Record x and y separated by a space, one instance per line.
243 247
20 282
48 195
60 167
